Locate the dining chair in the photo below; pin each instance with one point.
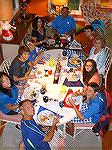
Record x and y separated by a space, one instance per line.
6 65
27 39
82 127
108 63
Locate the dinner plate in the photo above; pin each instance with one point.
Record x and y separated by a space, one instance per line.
77 99
75 61
45 117
39 74
31 93
73 77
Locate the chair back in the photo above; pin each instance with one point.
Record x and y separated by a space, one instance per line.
108 63
27 39
108 60
6 65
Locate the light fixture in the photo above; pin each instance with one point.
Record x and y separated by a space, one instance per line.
6 14
59 4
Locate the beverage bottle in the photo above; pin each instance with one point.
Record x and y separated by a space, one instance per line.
57 73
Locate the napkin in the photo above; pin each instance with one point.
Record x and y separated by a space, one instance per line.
43 108
73 83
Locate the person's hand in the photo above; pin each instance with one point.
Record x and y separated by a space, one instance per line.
31 76
45 40
26 85
71 101
31 45
55 120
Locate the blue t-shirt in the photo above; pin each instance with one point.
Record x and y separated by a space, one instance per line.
18 68
33 136
33 55
5 99
63 25
96 109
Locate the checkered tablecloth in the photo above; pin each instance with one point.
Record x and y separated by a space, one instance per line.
83 109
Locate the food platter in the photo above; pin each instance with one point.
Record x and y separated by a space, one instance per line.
45 117
75 61
31 93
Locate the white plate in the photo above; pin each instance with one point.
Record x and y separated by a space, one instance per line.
77 99
73 77
31 93
75 61
45 117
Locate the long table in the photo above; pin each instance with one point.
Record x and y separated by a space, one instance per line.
53 90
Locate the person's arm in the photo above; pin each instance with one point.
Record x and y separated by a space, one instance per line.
50 133
10 118
40 54
26 76
55 32
79 114
71 32
12 106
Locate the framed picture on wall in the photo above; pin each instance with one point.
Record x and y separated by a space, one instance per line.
75 6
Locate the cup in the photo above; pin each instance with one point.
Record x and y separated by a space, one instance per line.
63 89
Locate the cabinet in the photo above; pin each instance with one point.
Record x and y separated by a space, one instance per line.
10 48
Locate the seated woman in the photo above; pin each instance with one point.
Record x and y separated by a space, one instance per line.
8 95
98 54
90 72
38 32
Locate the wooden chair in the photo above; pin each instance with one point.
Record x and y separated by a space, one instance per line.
6 65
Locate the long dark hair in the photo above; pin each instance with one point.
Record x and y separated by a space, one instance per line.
35 20
88 75
4 90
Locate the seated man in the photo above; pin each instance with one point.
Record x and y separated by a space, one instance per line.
33 135
21 66
88 30
64 24
96 104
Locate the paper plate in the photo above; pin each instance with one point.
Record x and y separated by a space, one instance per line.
77 99
45 117
31 93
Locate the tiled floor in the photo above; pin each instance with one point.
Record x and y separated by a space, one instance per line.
84 141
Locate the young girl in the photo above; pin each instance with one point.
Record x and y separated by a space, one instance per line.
8 95
90 72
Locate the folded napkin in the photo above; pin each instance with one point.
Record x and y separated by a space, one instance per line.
73 83
43 108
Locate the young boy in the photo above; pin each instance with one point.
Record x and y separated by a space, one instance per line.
21 66
33 135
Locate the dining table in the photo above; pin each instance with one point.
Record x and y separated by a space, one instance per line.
56 93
